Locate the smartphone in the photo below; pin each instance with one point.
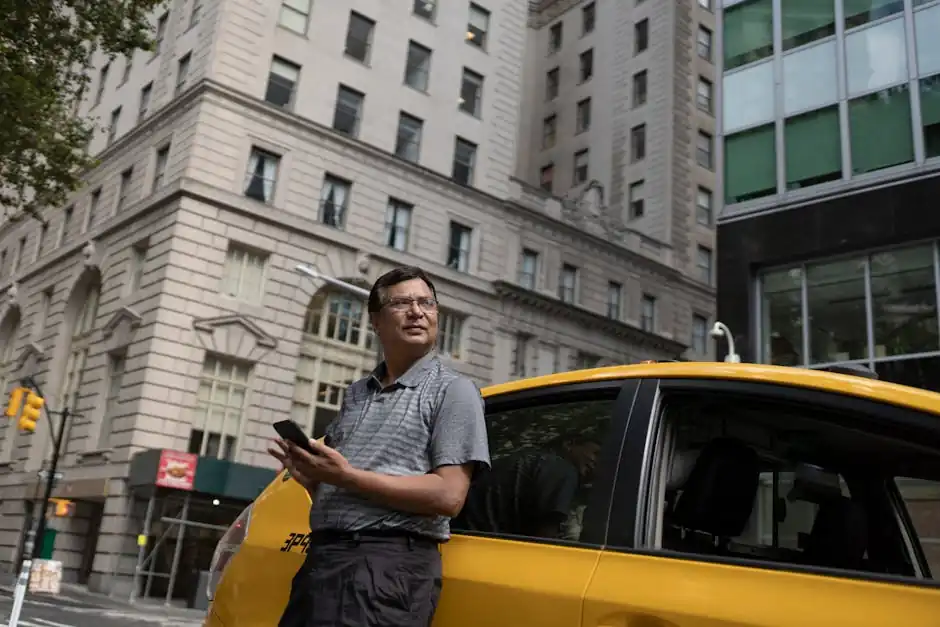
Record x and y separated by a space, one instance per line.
291 431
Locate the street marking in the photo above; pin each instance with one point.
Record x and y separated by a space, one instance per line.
49 623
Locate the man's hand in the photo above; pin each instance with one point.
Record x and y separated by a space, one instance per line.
327 466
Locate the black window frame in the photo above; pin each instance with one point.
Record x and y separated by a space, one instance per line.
611 464
629 517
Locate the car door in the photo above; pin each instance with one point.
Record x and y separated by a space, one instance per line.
767 505
500 572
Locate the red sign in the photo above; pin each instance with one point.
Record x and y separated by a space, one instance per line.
177 470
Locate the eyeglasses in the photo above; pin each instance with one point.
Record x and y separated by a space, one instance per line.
426 305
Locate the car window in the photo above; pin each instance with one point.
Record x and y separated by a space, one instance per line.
544 468
923 503
757 477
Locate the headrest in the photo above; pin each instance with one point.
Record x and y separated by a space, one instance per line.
719 495
681 468
840 535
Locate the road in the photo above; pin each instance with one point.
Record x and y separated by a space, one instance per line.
50 611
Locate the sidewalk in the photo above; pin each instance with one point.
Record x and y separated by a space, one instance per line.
74 593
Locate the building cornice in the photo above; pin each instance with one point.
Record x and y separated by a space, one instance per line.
587 318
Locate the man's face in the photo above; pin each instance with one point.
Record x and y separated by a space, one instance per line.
408 317
584 456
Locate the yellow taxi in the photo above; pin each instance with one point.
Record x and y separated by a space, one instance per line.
721 494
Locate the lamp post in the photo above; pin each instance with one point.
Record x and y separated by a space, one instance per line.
361 292
720 329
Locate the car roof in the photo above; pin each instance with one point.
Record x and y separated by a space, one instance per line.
852 385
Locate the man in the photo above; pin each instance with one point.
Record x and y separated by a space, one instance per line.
399 462
533 493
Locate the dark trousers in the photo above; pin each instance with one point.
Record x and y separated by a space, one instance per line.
362 580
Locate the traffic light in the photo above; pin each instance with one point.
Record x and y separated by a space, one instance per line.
64 507
16 401
31 412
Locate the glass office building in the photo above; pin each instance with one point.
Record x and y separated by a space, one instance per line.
830 153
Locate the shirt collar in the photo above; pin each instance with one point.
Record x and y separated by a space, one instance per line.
411 378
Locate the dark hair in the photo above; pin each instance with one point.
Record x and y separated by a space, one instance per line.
394 277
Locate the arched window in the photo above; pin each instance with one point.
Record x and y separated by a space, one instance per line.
9 327
83 325
338 347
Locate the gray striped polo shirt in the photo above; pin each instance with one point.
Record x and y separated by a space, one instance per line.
431 416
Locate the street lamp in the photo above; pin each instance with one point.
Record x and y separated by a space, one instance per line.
361 292
720 329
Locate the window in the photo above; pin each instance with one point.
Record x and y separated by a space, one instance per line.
922 499
637 199
699 334
703 206
580 174
471 92
79 344
614 298
159 166
528 269
478 26
138 262
458 247
588 17
704 264
144 103
348 110
641 36
555 38
282 80
243 276
549 129
750 164
748 32
880 130
639 89
41 240
545 454
858 12
418 66
586 65
704 97
450 334
220 402
102 83
805 21
128 67
547 177
425 9
903 302
182 73
930 114
334 201
704 44
927 48
195 13
113 126
648 313
408 140
294 15
889 66
124 188
583 116
782 319
551 84
703 152
397 224
261 176
814 149
161 33
319 387
568 283
20 253
66 224
638 143
339 318
112 403
94 202
804 503
465 155
520 355
359 37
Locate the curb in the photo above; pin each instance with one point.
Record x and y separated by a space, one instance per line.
72 594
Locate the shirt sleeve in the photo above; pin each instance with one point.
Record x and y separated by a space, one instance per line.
556 484
458 433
